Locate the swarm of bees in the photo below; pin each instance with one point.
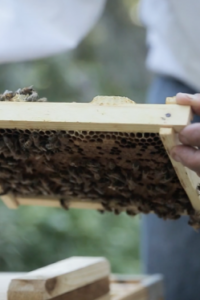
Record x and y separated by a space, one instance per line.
27 94
123 171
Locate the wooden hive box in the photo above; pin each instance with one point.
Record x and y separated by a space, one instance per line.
122 287
129 287
109 155
75 278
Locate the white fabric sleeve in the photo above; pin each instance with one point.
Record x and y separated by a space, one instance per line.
34 28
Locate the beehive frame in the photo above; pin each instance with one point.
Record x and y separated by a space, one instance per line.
103 114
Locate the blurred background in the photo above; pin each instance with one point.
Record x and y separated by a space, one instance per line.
110 61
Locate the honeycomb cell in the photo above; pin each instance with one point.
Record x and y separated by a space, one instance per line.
139 135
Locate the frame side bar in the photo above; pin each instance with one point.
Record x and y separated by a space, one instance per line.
10 201
188 179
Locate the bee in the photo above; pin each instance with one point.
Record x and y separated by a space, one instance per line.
28 143
194 220
86 186
6 96
117 176
8 142
52 142
93 165
36 141
161 189
30 95
198 188
29 169
157 200
131 184
97 176
173 216
64 204
47 156
2 147
11 146
5 173
144 208
101 211
45 185
111 165
99 190
25 90
74 174
92 195
116 211
131 212
106 206
126 194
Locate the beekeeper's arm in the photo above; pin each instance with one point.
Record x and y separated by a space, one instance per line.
35 29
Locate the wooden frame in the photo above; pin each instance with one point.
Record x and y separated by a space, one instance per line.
115 114
188 179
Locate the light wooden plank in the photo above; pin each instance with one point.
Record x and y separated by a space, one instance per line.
106 297
5 279
133 287
128 278
188 179
93 291
128 291
59 278
38 201
10 201
137 287
46 201
76 203
155 286
55 202
98 117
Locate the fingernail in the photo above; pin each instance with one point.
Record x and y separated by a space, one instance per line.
183 139
192 96
176 157
184 94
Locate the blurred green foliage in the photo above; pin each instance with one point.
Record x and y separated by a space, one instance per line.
32 237
110 61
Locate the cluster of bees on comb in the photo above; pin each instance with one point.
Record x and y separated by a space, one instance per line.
123 171
27 94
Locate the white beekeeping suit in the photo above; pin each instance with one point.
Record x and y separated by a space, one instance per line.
32 29
173 38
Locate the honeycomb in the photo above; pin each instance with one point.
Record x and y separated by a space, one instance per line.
123 171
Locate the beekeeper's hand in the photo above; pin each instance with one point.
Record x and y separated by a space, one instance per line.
188 154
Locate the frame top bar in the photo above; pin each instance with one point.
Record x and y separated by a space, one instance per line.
92 116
